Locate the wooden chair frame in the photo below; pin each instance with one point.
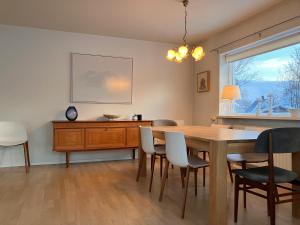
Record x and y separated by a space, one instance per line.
270 187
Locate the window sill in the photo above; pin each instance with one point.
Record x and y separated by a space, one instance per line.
262 117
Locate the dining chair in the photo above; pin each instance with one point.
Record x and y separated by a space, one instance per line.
148 147
246 158
176 153
269 178
157 142
14 134
164 122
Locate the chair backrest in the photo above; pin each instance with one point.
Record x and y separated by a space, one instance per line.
284 140
164 123
12 132
176 151
147 140
221 125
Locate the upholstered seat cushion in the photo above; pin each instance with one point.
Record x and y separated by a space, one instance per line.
196 162
160 149
248 157
261 174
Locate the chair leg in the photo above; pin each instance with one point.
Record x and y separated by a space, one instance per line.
236 197
143 157
230 171
244 187
272 206
182 175
185 191
204 169
28 158
161 165
195 178
164 180
25 157
153 157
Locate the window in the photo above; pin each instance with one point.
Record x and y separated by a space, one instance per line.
268 77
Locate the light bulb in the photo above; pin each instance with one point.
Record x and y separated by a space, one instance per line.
183 51
198 57
198 50
171 55
178 58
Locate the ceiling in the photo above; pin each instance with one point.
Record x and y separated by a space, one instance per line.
153 20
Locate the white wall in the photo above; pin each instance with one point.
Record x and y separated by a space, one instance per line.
35 86
206 104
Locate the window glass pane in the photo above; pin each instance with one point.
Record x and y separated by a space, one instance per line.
272 76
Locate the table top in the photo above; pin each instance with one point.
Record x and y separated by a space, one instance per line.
211 133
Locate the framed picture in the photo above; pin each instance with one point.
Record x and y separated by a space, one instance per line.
203 81
101 79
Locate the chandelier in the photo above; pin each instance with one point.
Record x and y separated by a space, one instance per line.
183 51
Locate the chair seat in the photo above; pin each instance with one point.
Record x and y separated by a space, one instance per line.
296 182
196 162
261 174
160 149
248 157
11 143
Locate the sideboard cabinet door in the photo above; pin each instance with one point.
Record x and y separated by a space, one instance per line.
105 138
132 137
68 139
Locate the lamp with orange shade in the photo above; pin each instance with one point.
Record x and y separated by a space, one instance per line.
231 93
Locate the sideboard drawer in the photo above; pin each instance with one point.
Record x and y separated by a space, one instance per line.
104 138
68 139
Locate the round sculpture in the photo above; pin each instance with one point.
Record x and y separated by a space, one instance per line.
71 113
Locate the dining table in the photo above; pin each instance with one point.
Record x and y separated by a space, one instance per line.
218 142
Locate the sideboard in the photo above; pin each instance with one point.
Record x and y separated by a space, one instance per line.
96 135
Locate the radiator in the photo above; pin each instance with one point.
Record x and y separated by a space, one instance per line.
283 160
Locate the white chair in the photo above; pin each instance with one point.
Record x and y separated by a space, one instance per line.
176 153
149 148
158 142
14 134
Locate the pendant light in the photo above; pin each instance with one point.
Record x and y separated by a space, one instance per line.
183 51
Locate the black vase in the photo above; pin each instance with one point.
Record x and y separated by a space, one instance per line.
71 113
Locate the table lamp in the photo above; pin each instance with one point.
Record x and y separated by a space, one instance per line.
231 93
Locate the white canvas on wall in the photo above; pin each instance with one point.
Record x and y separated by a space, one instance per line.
101 79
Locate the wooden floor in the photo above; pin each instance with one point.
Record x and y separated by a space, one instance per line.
107 193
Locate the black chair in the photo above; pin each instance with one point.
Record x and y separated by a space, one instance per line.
269 178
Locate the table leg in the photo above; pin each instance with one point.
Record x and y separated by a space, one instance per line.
218 183
296 169
67 159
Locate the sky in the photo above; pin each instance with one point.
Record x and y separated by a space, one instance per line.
269 64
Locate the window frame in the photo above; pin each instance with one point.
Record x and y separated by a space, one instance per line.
268 44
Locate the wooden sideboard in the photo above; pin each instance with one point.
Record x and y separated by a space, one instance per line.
96 135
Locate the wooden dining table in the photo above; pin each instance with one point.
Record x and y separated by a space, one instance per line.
218 142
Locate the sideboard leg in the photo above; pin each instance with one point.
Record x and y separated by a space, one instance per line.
133 153
67 159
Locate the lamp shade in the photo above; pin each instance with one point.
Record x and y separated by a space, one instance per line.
231 92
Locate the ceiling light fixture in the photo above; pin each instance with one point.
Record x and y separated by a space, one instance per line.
183 51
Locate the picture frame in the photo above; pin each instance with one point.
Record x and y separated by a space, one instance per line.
203 81
101 79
